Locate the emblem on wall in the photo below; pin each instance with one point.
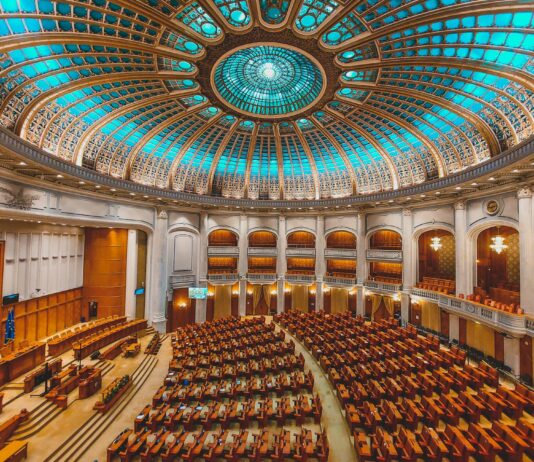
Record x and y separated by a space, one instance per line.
492 207
17 199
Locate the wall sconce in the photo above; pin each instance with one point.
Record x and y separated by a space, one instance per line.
312 292
326 289
352 292
235 292
273 292
249 292
396 297
210 294
287 291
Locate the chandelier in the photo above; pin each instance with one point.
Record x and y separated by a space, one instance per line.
498 244
436 243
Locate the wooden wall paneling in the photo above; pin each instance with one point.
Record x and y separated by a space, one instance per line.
274 301
525 358
44 316
2 252
105 270
353 300
312 298
462 334
499 346
327 301
288 301
444 323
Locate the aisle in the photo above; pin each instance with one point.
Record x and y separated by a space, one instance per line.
333 420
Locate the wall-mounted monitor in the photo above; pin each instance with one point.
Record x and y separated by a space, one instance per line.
10 299
199 293
140 291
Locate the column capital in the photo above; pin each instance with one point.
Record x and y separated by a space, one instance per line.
460 205
407 212
524 192
320 217
281 218
162 214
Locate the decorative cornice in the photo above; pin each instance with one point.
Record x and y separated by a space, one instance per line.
19 147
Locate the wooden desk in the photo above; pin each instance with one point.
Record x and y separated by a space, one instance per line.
19 362
14 451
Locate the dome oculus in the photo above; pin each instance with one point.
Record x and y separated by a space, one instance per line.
268 80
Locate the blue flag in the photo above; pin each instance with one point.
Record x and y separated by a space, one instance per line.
10 326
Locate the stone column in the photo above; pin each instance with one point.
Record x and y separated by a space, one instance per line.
200 305
243 264
454 327
526 245
463 284
408 268
281 263
361 244
131 274
512 352
158 273
320 263
360 301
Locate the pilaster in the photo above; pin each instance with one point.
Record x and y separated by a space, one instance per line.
526 244
158 275
463 285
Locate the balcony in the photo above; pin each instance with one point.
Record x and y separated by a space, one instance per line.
182 280
341 282
262 251
300 278
514 324
341 253
223 278
261 278
384 255
300 252
223 251
385 287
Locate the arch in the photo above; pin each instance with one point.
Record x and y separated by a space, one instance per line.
341 239
262 238
301 238
388 237
436 267
223 237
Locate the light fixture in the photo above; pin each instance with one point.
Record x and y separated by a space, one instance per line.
498 244
436 243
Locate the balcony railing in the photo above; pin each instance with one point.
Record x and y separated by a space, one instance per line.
510 322
222 277
222 251
262 277
384 255
340 253
182 280
336 281
300 278
263 251
300 252
378 286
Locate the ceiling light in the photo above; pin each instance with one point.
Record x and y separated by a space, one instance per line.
474 184
23 163
132 194
436 243
113 190
81 182
491 179
59 176
438 193
97 186
498 244
458 188
423 195
146 197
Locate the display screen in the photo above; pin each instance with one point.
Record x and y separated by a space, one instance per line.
140 291
198 292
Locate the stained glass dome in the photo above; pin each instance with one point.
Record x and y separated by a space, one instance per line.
268 80
269 99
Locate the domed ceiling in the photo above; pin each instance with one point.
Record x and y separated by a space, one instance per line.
269 99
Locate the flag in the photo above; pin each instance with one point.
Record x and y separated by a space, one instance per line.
10 326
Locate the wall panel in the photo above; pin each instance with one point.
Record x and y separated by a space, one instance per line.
41 317
105 271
